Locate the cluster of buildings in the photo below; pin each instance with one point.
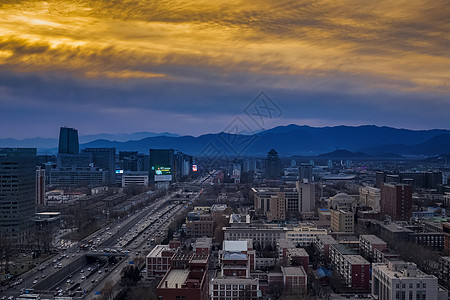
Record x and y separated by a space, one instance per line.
29 182
239 267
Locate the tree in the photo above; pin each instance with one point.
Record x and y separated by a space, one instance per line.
141 293
108 290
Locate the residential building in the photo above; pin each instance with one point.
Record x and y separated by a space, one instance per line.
322 245
352 268
369 243
396 201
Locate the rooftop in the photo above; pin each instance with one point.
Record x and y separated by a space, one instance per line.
326 239
203 243
293 271
344 250
175 279
285 243
356 259
235 246
233 280
297 252
156 252
234 256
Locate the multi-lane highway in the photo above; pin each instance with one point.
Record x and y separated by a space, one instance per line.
85 269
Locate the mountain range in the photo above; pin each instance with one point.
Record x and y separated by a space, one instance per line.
287 140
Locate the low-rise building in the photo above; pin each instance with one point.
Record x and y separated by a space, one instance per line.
342 221
322 245
298 257
262 236
187 282
158 261
351 267
234 288
402 280
369 243
294 278
304 235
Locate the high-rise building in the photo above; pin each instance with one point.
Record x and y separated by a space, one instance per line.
306 196
17 193
68 141
396 201
306 173
273 165
105 159
162 166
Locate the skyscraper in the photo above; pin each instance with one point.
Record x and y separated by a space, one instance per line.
273 165
17 193
68 141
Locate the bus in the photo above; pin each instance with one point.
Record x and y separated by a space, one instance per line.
29 296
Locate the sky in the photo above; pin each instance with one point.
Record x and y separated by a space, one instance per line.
193 67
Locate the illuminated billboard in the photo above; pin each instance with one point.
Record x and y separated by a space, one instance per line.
162 170
194 168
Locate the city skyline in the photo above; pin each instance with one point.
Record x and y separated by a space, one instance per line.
192 67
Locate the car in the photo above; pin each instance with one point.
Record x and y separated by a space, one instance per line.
35 281
99 271
83 277
68 281
82 271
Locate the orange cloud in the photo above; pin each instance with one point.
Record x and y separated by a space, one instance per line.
392 45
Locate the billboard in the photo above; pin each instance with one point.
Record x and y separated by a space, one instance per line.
163 173
194 168
163 177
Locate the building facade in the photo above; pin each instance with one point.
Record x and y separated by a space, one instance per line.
17 194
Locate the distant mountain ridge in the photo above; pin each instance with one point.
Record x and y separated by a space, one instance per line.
287 140
302 140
